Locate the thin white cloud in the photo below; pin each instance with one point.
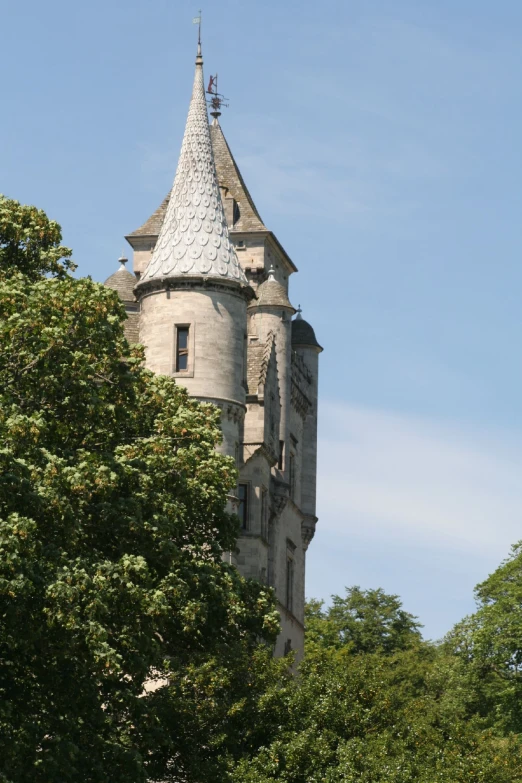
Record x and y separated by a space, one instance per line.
405 478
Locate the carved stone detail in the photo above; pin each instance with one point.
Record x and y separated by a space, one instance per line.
279 497
308 530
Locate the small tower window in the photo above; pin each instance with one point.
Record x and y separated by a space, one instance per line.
264 513
290 551
289 583
281 454
242 510
182 343
291 474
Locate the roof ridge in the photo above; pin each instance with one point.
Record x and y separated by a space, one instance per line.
152 226
226 168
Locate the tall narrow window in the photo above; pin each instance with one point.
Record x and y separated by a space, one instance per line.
289 583
264 514
291 474
182 343
242 511
281 454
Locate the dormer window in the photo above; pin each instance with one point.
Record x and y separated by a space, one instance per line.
240 245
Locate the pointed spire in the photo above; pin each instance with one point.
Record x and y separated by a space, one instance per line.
299 317
194 240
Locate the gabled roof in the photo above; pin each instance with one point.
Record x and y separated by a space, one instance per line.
230 178
193 240
152 226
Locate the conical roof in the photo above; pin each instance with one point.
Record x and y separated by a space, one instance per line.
123 282
271 294
194 239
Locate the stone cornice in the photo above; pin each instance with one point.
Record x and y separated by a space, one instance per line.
146 288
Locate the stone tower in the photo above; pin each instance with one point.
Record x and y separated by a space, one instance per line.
211 302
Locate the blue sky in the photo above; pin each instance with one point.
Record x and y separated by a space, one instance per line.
381 144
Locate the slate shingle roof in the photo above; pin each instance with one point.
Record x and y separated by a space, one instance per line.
193 239
153 225
303 334
123 282
230 177
271 293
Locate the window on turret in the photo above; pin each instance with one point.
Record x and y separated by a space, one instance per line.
291 474
289 583
290 551
264 514
242 509
182 345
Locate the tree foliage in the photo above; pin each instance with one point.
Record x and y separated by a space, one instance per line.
30 242
397 713
362 621
130 650
118 616
489 644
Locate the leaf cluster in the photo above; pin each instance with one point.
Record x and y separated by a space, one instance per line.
119 616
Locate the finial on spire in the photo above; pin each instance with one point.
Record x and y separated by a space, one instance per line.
271 274
299 317
122 261
197 20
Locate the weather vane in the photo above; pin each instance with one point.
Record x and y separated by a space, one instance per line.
197 20
217 100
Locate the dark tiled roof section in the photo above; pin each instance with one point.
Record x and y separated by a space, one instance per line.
152 226
123 282
303 334
271 293
131 327
230 177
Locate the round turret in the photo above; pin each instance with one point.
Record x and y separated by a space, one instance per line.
302 333
271 294
123 282
193 293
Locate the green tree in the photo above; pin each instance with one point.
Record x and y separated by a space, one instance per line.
30 242
489 643
351 719
126 642
362 621
374 702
